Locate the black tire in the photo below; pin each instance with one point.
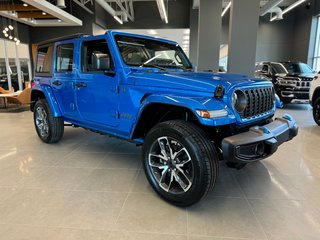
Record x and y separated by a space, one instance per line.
52 128
196 166
286 100
316 111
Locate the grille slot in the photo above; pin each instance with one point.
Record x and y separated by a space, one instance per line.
260 101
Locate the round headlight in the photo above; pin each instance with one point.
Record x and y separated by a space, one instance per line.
239 101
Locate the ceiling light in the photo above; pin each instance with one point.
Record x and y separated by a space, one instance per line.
186 37
289 8
10 37
6 35
59 20
162 10
7 29
15 39
18 42
25 5
186 31
4 31
152 32
226 9
10 27
118 19
44 13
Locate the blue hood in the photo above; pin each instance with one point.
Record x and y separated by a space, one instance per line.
192 81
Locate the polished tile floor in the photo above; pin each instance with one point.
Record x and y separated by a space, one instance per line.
92 187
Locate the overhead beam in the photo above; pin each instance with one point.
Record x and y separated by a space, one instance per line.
34 15
17 7
124 10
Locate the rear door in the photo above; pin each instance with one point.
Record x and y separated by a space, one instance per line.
63 82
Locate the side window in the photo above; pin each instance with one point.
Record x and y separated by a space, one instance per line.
64 57
44 59
96 56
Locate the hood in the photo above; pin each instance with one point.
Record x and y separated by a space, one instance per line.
193 81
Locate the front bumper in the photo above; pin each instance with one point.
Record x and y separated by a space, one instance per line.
260 141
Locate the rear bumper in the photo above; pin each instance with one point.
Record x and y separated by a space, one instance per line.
260 141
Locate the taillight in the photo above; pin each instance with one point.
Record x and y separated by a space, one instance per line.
32 83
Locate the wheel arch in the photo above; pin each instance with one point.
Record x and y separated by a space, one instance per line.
157 112
47 94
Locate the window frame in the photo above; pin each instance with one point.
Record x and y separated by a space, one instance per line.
43 74
56 57
83 56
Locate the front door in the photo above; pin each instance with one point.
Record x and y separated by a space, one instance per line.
97 86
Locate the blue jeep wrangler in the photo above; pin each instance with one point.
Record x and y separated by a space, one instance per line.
144 90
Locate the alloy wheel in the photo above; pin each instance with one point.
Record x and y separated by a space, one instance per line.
171 165
42 121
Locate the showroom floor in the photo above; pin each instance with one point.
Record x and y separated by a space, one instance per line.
92 187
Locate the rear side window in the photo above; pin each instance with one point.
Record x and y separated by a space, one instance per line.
44 59
64 57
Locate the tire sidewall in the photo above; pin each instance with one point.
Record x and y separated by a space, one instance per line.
316 102
42 103
198 186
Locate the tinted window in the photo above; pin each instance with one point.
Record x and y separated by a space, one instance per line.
44 59
292 67
64 57
95 55
278 68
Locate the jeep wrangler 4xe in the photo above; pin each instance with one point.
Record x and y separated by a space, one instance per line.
144 90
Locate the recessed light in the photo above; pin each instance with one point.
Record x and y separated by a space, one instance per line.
7 29
44 13
59 20
10 27
18 42
15 39
152 32
186 31
6 35
4 31
25 5
10 37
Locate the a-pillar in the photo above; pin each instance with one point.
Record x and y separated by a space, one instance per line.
193 47
209 34
243 29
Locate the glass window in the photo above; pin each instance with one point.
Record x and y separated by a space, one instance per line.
44 59
64 57
278 68
3 68
316 55
96 56
151 53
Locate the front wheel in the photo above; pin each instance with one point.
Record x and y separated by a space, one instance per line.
316 111
49 128
180 162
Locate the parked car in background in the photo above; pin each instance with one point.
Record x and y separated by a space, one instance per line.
144 90
291 80
314 98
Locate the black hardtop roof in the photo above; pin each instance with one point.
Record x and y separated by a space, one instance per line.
68 37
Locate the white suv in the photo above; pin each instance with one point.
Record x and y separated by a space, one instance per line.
314 98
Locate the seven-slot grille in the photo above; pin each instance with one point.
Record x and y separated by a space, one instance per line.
259 101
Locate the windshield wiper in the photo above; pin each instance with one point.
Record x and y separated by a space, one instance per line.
154 66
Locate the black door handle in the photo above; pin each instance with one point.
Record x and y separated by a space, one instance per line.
57 83
81 84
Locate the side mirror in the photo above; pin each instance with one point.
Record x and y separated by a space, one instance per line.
103 62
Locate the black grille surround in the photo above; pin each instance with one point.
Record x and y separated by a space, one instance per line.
260 101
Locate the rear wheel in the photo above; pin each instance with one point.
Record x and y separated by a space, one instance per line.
180 162
316 111
49 128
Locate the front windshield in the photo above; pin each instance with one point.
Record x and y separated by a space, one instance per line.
278 68
298 68
142 52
